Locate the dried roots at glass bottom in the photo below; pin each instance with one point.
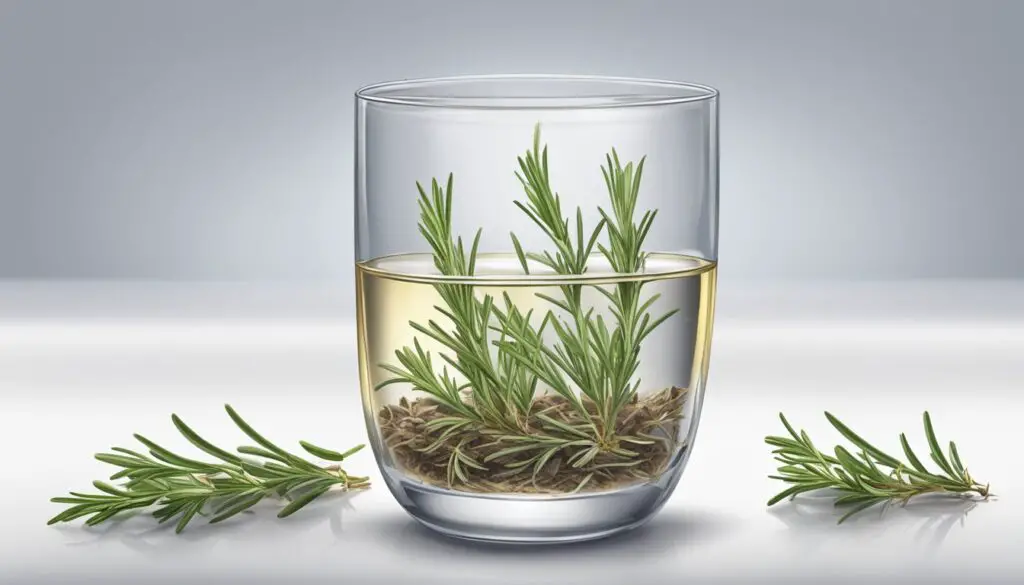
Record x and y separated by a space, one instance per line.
550 452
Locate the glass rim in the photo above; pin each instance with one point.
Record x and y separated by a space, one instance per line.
686 92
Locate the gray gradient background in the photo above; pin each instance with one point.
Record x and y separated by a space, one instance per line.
213 139
877 142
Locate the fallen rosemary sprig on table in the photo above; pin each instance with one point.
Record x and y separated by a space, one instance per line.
862 480
183 487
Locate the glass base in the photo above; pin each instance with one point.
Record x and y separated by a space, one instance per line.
532 519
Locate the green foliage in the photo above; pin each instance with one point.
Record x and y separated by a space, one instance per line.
591 363
600 360
870 476
182 487
501 388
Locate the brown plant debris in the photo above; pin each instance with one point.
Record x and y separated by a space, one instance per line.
554 450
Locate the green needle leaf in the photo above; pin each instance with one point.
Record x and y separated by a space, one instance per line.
327 453
933 444
238 506
190 512
202 443
301 501
910 454
864 505
858 441
954 457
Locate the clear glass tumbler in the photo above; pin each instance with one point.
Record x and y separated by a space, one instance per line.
535 266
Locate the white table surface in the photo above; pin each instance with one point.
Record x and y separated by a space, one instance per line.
84 365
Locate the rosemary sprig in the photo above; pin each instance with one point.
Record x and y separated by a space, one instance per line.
483 423
871 476
620 348
574 356
182 487
599 359
502 390
497 394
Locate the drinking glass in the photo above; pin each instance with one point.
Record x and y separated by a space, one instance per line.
536 262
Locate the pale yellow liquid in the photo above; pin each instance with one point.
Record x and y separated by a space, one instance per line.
394 290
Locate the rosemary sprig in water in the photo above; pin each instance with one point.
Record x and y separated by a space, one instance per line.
871 476
599 359
182 487
488 422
